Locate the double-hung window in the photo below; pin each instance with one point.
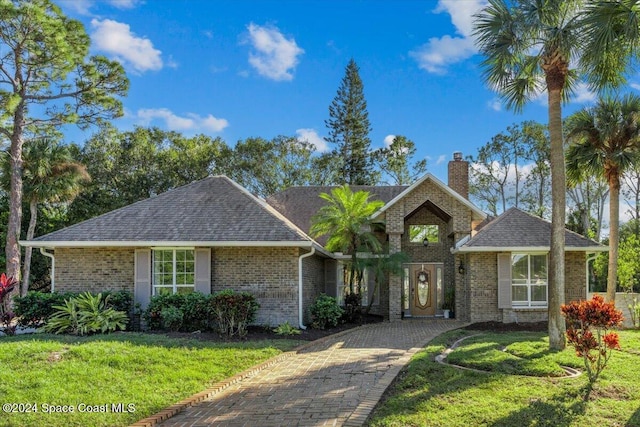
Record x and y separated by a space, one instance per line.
173 271
529 280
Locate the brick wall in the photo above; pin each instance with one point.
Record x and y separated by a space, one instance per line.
481 283
312 283
94 269
271 274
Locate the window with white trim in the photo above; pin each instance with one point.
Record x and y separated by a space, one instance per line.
173 271
529 280
343 286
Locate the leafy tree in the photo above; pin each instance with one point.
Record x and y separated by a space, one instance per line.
587 198
130 166
395 161
537 186
346 219
530 46
631 191
47 81
50 175
605 141
265 167
349 129
382 264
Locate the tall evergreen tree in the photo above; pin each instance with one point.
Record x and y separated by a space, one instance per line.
349 129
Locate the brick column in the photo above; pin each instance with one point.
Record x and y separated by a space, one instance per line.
395 281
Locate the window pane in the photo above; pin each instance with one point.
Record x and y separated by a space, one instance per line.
185 289
539 293
519 268
539 269
406 289
519 293
163 291
417 233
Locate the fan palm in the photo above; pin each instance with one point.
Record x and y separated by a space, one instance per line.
533 45
346 219
50 175
604 140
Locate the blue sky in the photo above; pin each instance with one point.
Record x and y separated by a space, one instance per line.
238 69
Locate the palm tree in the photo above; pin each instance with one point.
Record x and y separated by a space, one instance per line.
50 175
346 219
529 47
604 140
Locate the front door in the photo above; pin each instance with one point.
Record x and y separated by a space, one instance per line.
422 296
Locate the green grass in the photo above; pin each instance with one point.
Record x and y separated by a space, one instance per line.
150 372
522 387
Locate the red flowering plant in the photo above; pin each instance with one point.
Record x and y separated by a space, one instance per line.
7 284
588 331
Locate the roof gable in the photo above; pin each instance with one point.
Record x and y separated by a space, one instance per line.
475 211
214 209
516 229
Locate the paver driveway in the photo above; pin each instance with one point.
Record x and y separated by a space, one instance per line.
333 383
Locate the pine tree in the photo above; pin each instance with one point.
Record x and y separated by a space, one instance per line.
349 129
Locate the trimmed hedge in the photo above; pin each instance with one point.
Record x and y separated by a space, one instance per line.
227 312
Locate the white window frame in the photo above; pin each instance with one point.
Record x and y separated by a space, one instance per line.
342 288
529 283
174 285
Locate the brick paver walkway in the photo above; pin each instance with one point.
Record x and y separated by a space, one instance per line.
334 383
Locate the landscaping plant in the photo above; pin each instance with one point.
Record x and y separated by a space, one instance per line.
233 311
325 311
588 331
7 284
85 314
286 329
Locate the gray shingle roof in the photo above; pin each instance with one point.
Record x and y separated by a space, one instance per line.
299 204
518 229
214 209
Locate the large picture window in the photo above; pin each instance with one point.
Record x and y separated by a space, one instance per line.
529 280
173 271
420 233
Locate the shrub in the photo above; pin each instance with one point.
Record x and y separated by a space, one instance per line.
233 311
172 318
85 314
35 308
286 329
195 308
7 285
352 307
584 318
325 311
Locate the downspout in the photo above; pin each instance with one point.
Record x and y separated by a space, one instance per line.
300 308
590 257
53 268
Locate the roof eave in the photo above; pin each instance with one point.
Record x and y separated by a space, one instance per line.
146 243
472 249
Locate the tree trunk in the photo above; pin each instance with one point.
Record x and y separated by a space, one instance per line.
614 235
12 249
33 208
557 325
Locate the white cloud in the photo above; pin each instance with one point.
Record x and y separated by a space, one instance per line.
116 38
582 94
123 4
441 159
495 104
388 140
274 56
190 122
635 86
440 52
312 137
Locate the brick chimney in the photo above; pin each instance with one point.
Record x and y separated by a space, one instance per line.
459 175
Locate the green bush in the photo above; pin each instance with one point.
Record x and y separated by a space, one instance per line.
195 308
233 311
85 314
172 318
286 329
119 300
35 308
325 311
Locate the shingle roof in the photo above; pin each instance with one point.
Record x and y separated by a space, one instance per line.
299 204
214 209
518 229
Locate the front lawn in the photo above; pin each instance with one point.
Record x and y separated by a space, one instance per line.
144 373
522 387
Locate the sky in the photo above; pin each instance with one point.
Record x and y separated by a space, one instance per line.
240 69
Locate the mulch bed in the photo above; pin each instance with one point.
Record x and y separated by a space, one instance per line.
258 333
